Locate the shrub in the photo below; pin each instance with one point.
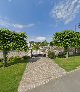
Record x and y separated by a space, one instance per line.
61 54
14 59
26 57
51 55
1 59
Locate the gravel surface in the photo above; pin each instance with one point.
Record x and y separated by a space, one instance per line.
38 72
68 83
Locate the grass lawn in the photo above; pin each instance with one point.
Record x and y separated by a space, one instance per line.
11 76
68 64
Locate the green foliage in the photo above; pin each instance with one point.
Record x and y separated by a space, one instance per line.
14 59
51 55
36 46
1 59
61 54
10 40
51 44
67 39
26 57
44 43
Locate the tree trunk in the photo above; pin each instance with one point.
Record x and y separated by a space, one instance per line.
67 52
75 51
67 55
4 58
31 53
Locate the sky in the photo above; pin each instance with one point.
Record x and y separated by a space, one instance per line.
40 19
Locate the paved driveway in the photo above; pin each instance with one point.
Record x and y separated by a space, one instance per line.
68 83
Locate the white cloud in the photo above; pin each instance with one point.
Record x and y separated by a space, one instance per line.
30 25
40 38
20 26
66 11
6 23
37 39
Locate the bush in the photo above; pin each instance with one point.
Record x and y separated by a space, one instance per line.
51 55
14 59
26 57
1 59
61 54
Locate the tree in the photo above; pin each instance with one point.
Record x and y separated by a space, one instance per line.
10 40
51 44
36 46
66 39
44 43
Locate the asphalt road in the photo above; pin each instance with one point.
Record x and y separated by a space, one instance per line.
68 83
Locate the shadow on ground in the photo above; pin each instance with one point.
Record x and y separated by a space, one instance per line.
34 59
20 60
17 61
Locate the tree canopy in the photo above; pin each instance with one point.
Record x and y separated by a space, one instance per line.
67 39
44 43
37 45
51 44
10 40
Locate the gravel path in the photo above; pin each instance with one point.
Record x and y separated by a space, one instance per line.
38 72
68 83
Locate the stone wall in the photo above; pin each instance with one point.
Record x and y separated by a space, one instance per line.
15 53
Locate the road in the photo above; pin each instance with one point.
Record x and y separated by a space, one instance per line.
68 83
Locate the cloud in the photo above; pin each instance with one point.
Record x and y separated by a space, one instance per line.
7 23
40 38
30 25
4 22
19 26
37 39
66 10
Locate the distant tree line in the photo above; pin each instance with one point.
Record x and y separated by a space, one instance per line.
37 45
